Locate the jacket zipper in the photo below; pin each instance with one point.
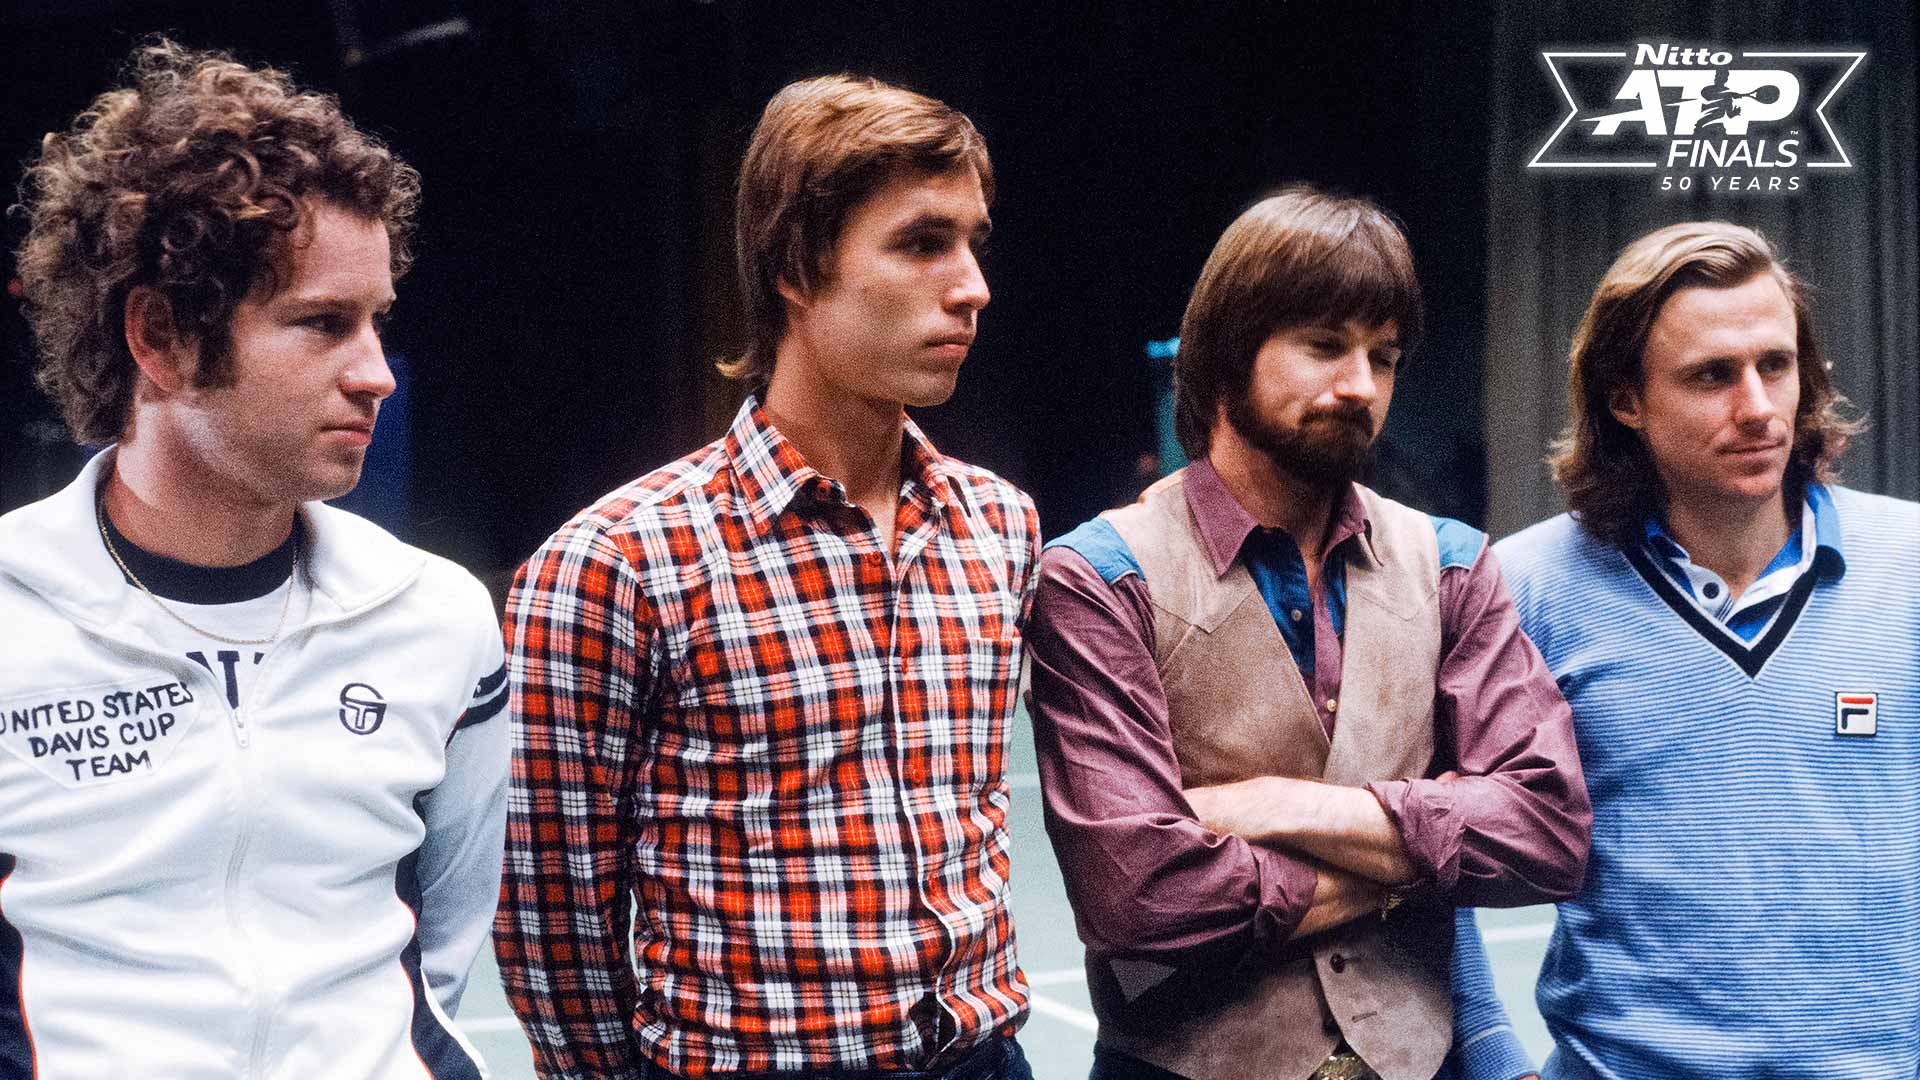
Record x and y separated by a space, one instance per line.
241 842
238 725
263 1008
242 734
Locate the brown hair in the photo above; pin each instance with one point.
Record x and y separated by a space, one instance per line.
822 146
1299 256
1603 465
189 178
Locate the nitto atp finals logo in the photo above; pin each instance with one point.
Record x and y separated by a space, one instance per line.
1699 117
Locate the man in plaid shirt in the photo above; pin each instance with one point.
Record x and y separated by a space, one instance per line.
758 814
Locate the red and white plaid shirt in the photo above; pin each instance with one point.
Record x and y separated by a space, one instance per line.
787 748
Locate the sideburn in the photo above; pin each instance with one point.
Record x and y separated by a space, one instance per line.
216 358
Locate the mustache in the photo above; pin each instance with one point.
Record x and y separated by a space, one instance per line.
1360 418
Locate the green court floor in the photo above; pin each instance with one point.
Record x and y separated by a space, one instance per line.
1058 1038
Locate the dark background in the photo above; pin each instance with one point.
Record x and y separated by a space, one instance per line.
574 275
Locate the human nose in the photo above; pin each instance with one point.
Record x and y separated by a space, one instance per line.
1753 401
969 290
368 372
1355 379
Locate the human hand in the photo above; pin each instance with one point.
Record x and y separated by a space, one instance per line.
1339 897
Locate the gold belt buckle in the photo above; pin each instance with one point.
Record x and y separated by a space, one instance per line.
1344 1064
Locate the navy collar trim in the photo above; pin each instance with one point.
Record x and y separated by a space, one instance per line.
1750 658
185 583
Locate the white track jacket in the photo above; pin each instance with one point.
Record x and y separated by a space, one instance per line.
291 889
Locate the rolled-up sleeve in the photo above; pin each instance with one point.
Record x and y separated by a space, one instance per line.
1512 828
1145 879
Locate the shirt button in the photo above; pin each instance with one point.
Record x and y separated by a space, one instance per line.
1711 590
1332 705
1295 613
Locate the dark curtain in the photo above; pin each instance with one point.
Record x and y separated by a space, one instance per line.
1552 233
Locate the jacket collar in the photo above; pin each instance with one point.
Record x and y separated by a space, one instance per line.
53 548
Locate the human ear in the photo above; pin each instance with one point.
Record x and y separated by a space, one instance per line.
163 354
793 294
1624 404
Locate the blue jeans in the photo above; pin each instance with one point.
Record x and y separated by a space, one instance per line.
1114 1065
999 1058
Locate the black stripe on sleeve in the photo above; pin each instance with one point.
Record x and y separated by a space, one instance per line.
439 1051
491 683
489 698
17 1060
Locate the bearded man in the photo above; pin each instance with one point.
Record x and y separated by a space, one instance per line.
1265 879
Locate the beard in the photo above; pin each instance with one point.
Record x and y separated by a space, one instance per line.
1328 450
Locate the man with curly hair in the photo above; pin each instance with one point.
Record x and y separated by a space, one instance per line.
252 790
1739 637
763 693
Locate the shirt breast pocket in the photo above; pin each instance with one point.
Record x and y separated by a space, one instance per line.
992 662
983 692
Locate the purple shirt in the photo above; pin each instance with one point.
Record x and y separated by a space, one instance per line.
1147 879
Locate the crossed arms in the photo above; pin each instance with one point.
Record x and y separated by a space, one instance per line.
1155 871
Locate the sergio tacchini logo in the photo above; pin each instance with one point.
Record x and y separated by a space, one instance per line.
361 708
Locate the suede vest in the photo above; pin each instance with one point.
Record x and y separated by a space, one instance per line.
1238 708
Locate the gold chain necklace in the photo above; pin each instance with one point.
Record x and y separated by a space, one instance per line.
287 602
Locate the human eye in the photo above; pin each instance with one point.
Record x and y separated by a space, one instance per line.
1776 364
332 324
1385 359
1711 374
925 244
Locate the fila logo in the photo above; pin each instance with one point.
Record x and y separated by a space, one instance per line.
1855 713
361 708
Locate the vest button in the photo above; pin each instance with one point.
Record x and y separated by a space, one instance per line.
1337 962
1295 614
1332 705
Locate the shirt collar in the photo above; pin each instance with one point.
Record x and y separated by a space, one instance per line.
922 465
774 476
1224 524
1826 528
1827 556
